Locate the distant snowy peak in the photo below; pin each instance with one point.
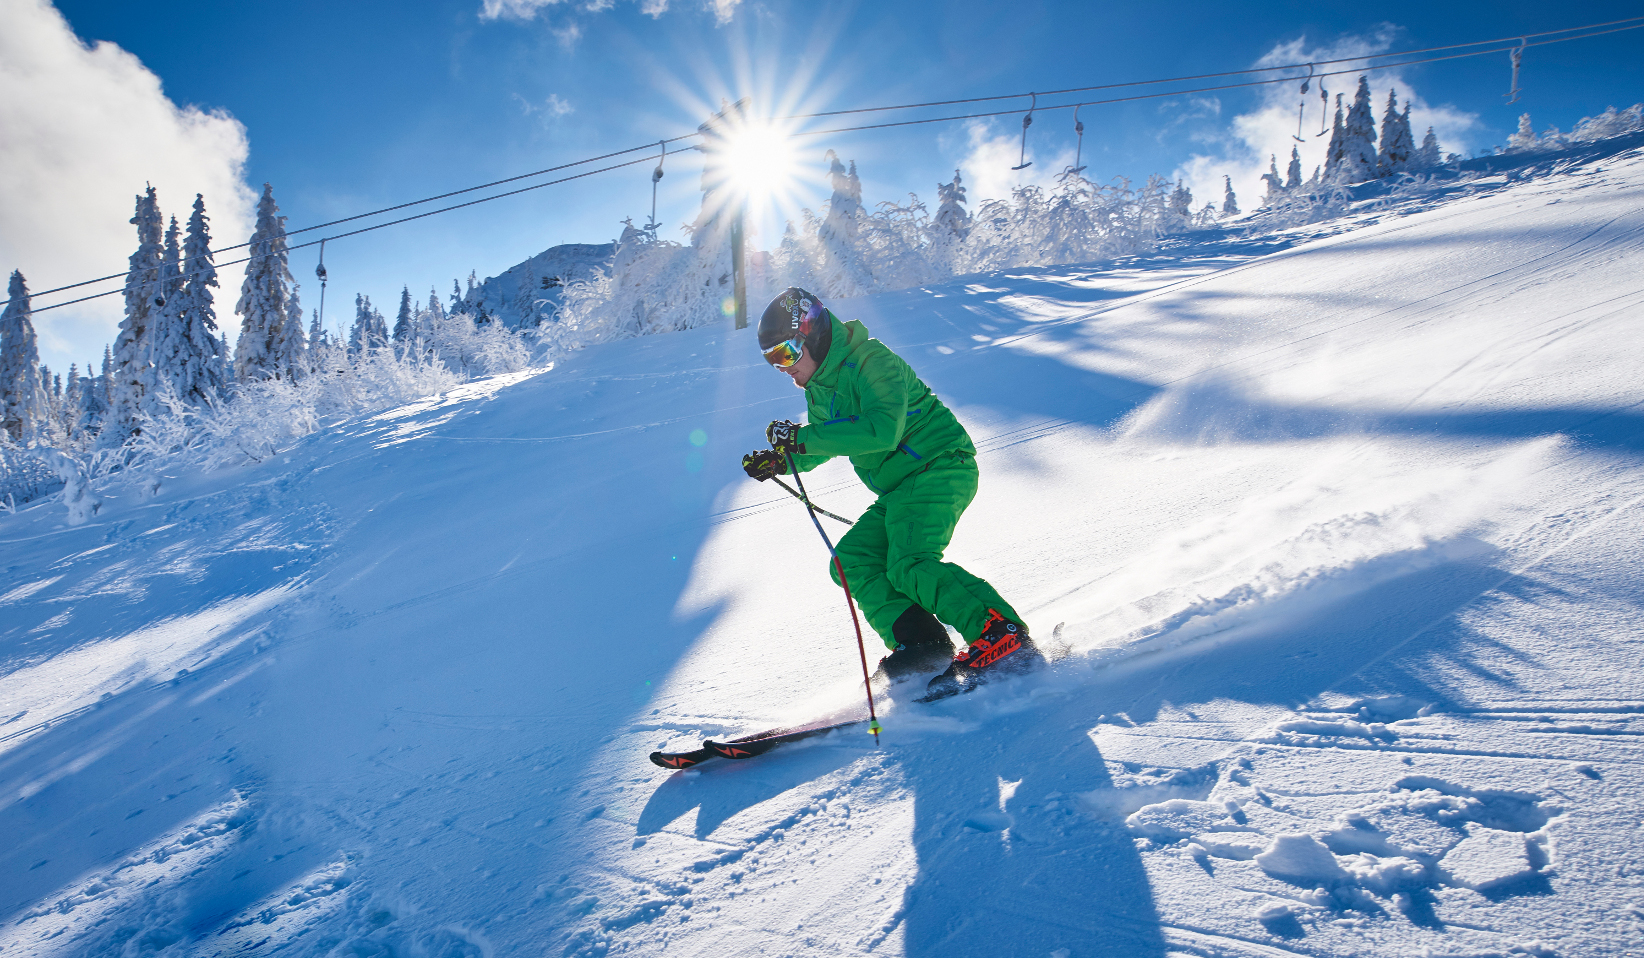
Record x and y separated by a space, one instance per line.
544 275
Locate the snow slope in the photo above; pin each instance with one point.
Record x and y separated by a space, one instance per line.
1341 533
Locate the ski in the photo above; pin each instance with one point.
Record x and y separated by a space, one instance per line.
748 746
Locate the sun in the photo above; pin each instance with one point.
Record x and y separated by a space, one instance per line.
760 161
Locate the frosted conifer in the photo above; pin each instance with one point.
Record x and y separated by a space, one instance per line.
1336 151
1230 201
1429 155
456 296
290 345
842 274
1359 160
198 365
74 401
1525 138
951 215
1397 143
264 296
1181 201
133 376
525 298
1275 187
316 333
1292 175
24 406
370 330
402 322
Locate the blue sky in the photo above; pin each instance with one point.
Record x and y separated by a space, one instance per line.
348 107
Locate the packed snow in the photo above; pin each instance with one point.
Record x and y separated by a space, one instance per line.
1334 533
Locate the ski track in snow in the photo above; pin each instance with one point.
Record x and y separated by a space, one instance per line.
1336 534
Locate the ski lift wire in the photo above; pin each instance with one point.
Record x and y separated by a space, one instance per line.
1228 73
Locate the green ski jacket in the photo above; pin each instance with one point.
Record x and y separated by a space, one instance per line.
865 402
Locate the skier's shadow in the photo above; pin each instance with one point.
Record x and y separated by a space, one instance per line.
1008 862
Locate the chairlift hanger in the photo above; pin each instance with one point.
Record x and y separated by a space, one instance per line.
1516 55
1079 151
1027 121
1324 109
656 177
1301 110
320 272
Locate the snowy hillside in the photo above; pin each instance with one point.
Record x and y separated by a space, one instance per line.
1341 532
544 275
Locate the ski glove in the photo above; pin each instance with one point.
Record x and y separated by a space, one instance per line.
764 464
784 437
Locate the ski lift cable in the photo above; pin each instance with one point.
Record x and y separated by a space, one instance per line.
1171 93
1633 23
1228 73
376 226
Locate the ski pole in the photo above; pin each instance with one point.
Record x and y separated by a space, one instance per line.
808 503
850 603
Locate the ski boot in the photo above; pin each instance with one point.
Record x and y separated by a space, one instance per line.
1003 648
922 647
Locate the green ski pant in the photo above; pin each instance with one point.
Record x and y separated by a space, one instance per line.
893 554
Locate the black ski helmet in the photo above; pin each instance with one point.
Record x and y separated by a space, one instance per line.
795 313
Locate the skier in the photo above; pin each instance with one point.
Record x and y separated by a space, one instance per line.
865 402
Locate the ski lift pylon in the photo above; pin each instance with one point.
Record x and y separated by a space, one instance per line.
1027 121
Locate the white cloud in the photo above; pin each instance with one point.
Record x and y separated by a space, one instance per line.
554 107
989 156
1242 149
85 129
528 9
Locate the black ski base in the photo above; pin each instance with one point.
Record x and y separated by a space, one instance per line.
747 746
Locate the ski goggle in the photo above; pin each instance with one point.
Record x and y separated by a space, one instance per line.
786 353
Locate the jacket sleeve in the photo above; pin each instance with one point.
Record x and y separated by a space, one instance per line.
881 385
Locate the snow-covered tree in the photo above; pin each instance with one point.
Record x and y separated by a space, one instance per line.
1181 204
1336 152
1230 201
1525 138
370 330
264 297
1359 160
1292 174
1275 186
842 272
133 379
403 322
1429 155
951 215
290 345
456 296
1398 144
24 406
198 368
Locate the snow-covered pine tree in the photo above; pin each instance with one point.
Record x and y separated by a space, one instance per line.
168 336
1359 158
24 406
456 296
1524 139
290 345
1181 204
1336 151
431 319
1397 143
94 408
1230 201
842 272
402 322
359 334
264 295
133 378
1275 186
1292 175
200 370
1429 155
316 333
951 215
74 400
